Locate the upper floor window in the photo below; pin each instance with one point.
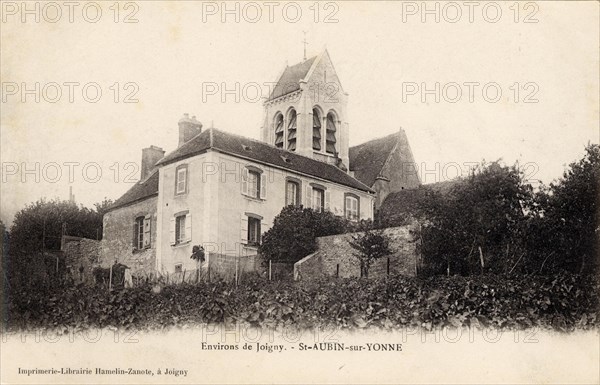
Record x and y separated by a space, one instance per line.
181 228
292 125
254 183
279 130
330 140
292 193
316 130
181 179
351 207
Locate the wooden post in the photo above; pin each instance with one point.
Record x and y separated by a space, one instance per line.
110 279
270 271
183 278
236 269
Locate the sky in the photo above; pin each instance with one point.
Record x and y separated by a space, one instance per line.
517 83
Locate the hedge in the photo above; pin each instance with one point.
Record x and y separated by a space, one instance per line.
563 302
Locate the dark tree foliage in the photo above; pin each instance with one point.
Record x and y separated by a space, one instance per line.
477 225
493 222
40 225
566 230
370 244
294 232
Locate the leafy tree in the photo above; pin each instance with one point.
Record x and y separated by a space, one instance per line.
370 244
40 225
294 232
477 225
568 224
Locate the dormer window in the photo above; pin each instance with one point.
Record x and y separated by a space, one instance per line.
292 128
330 139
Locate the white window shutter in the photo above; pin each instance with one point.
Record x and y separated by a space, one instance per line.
264 226
188 227
172 239
308 198
244 229
263 186
245 181
147 225
327 199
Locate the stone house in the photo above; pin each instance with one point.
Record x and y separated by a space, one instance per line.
222 191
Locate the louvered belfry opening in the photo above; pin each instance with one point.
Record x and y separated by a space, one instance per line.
330 138
292 130
316 130
279 130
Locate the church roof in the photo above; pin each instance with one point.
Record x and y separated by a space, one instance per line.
289 81
367 159
143 189
399 206
261 152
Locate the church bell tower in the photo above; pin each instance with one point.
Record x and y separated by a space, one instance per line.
306 112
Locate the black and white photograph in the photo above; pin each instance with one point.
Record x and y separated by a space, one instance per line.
294 192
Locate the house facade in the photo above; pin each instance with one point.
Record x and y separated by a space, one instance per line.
222 191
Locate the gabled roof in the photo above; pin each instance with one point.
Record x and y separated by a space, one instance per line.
289 81
143 189
261 152
367 159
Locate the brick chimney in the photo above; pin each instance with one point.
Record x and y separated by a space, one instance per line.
150 156
188 128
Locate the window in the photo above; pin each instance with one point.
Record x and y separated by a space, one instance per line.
181 180
181 228
318 199
253 231
330 137
138 233
351 207
292 130
316 130
292 193
141 232
279 130
178 268
254 182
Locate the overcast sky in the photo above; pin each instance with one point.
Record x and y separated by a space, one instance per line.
383 52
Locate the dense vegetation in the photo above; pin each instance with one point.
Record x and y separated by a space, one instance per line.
40 225
493 221
295 230
561 302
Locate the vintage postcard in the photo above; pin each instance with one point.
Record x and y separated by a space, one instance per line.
254 192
